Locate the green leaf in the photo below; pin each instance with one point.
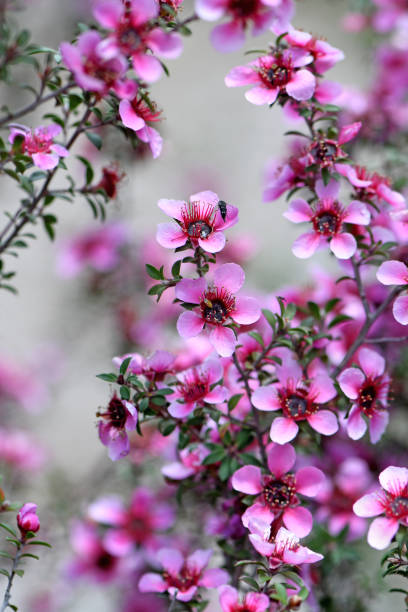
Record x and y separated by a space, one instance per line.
4 572
89 173
233 401
49 222
256 336
326 176
339 319
39 543
9 529
281 594
154 272
125 393
269 316
19 572
124 365
167 427
215 457
107 377
175 270
252 583
31 556
95 139
290 311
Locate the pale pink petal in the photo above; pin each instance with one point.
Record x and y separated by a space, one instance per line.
108 510
153 138
258 602
306 245
324 421
368 505
228 598
389 195
176 471
400 309
256 517
184 595
371 362
152 583
171 559
147 67
223 340
266 398
298 520
199 559
216 396
214 243
143 10
247 480
246 311
118 446
213 369
213 578
377 425
356 425
283 430
207 196
108 13
394 479
302 85
261 95
351 381
190 290
179 411
228 36
280 458
309 481
322 388
118 542
393 273
170 236
45 161
165 44
230 276
343 245
261 546
189 324
299 211
172 208
330 191
210 10
357 213
129 117
59 150
301 555
241 75
381 532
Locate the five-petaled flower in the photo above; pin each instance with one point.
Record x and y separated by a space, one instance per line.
181 576
328 217
120 417
278 491
392 501
216 306
368 387
284 547
396 273
252 602
200 222
39 144
136 115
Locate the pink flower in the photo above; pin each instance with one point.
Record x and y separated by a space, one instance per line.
182 576
136 525
368 387
134 36
262 13
278 491
324 55
195 387
327 217
98 248
191 463
120 417
39 144
200 222
92 71
217 307
282 548
396 273
154 368
19 451
299 400
253 602
27 519
371 186
325 152
271 75
392 501
92 559
136 115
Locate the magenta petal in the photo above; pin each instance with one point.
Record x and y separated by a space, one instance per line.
306 245
299 211
351 381
152 583
368 505
241 75
230 276
356 425
223 340
228 36
331 190
256 516
266 398
107 510
229 599
147 67
213 578
118 542
170 236
309 481
118 446
348 132
171 559
381 532
216 396
214 243
261 95
247 311
324 421
357 213
247 480
179 411
371 362
199 559
298 520
189 324
108 13
322 388
184 595
172 208
394 479
190 290
400 309
393 273
128 116
258 602
343 245
281 458
165 44
283 430
302 85
143 10
377 425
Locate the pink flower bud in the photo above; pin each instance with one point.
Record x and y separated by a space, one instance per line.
27 519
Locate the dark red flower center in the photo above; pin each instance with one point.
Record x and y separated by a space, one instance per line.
102 71
216 305
367 397
128 37
277 74
298 406
194 387
197 220
324 152
185 579
105 561
281 492
397 506
117 413
243 9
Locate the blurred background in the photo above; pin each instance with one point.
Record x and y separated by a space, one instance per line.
60 332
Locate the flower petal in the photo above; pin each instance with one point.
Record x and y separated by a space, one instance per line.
283 430
266 398
356 425
172 208
299 211
309 481
261 95
247 480
343 245
228 36
306 245
246 311
298 520
302 85
371 362
189 324
394 479
368 505
214 243
324 421
280 458
351 381
400 309
170 236
230 276
190 290
381 532
223 340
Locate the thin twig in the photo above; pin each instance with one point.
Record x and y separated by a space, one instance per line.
7 594
37 102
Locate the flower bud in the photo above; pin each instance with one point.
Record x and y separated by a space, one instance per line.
27 519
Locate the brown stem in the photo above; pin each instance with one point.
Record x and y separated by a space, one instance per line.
37 102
